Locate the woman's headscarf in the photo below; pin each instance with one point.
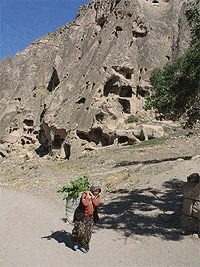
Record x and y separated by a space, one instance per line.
95 187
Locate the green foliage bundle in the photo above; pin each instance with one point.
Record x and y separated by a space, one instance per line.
75 187
177 85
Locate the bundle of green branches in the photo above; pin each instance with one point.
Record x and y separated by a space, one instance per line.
75 187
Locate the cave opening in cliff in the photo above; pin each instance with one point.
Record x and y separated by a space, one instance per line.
125 105
83 135
13 129
122 139
54 82
128 76
57 142
81 100
2 155
101 21
28 122
43 113
112 86
117 2
29 131
118 29
99 116
67 149
126 91
140 91
23 142
43 149
97 136
139 34
18 99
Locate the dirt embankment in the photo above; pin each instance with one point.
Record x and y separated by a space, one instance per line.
115 167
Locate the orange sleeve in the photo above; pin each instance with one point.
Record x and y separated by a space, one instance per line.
96 201
85 200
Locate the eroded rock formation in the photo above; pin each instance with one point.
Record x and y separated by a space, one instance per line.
74 89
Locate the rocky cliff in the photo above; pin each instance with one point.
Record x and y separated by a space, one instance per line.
75 89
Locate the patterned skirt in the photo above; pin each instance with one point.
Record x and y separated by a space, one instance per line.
82 232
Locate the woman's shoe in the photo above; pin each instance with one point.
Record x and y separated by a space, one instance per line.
75 247
83 250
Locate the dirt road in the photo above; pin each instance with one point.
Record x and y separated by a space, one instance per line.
34 233
141 192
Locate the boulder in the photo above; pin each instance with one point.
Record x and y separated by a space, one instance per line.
151 131
146 131
190 219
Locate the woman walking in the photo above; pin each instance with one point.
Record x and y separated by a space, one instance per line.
84 218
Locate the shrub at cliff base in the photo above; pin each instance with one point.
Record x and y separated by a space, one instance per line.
177 85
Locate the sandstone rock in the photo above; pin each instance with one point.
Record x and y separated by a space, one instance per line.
146 131
81 82
152 131
189 224
190 220
191 191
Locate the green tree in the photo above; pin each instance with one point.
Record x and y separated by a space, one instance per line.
177 85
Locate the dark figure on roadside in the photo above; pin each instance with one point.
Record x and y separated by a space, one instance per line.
84 218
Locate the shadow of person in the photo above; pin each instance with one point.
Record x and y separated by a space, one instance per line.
61 237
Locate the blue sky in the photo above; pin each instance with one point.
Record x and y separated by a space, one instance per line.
23 21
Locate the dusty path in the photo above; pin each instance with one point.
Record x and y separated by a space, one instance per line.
131 231
34 234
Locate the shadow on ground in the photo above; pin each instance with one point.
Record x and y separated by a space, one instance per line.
149 211
130 163
61 237
144 212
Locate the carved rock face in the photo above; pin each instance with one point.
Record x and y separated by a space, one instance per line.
78 85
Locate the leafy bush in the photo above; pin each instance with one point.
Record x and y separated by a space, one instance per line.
75 187
132 119
177 87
